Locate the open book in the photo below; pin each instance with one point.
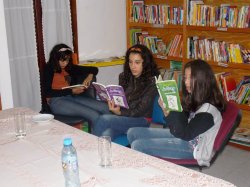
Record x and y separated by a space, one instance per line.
74 86
169 94
111 92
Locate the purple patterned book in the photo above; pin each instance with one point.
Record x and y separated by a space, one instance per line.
111 92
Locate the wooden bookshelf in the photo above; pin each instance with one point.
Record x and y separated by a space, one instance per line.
240 146
230 35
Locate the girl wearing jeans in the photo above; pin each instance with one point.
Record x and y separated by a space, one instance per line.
61 72
191 133
138 82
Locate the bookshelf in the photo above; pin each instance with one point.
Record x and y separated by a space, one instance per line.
167 32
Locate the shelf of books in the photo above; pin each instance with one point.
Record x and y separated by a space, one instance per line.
217 31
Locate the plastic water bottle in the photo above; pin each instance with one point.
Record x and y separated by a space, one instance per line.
70 164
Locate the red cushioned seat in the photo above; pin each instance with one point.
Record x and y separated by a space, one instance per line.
230 120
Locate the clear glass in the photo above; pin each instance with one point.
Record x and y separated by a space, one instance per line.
105 151
20 124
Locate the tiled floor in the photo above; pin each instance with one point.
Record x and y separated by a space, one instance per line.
232 165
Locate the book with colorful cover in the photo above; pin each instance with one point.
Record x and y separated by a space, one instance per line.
229 86
111 92
243 94
175 65
219 81
246 99
243 81
168 91
161 47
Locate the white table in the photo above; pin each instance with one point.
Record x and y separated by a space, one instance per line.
35 160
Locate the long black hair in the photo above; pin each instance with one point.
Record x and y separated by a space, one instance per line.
149 66
204 88
60 52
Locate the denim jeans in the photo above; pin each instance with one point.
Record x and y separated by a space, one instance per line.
113 125
159 142
82 106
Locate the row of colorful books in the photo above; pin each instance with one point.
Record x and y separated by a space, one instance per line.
173 73
176 45
156 44
210 49
240 93
138 36
207 49
156 14
225 15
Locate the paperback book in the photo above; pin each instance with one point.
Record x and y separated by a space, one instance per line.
74 86
228 85
168 91
111 92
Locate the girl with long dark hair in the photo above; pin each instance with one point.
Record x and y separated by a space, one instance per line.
191 133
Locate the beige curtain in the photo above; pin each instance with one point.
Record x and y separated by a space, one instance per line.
20 28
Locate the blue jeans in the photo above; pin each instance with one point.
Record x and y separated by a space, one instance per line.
82 106
159 142
113 125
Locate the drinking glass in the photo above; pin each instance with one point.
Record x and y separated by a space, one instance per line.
104 151
20 125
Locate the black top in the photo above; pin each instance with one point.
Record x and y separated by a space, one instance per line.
181 128
140 95
76 73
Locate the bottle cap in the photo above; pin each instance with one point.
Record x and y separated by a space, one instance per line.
67 141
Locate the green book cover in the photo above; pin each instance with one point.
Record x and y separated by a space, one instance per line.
169 93
175 65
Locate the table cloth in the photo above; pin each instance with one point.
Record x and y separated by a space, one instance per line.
35 161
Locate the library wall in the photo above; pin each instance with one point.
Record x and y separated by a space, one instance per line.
158 23
101 28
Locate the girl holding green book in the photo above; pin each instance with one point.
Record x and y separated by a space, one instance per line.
190 133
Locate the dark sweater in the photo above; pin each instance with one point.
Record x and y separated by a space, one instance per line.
76 73
181 128
140 95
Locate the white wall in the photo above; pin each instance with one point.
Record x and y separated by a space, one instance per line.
101 28
101 34
5 79
109 75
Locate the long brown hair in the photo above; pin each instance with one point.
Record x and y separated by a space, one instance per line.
204 88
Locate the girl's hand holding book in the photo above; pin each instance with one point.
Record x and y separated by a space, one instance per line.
88 80
113 108
163 107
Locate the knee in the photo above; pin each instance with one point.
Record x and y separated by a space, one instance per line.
108 132
132 134
137 145
101 125
104 119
